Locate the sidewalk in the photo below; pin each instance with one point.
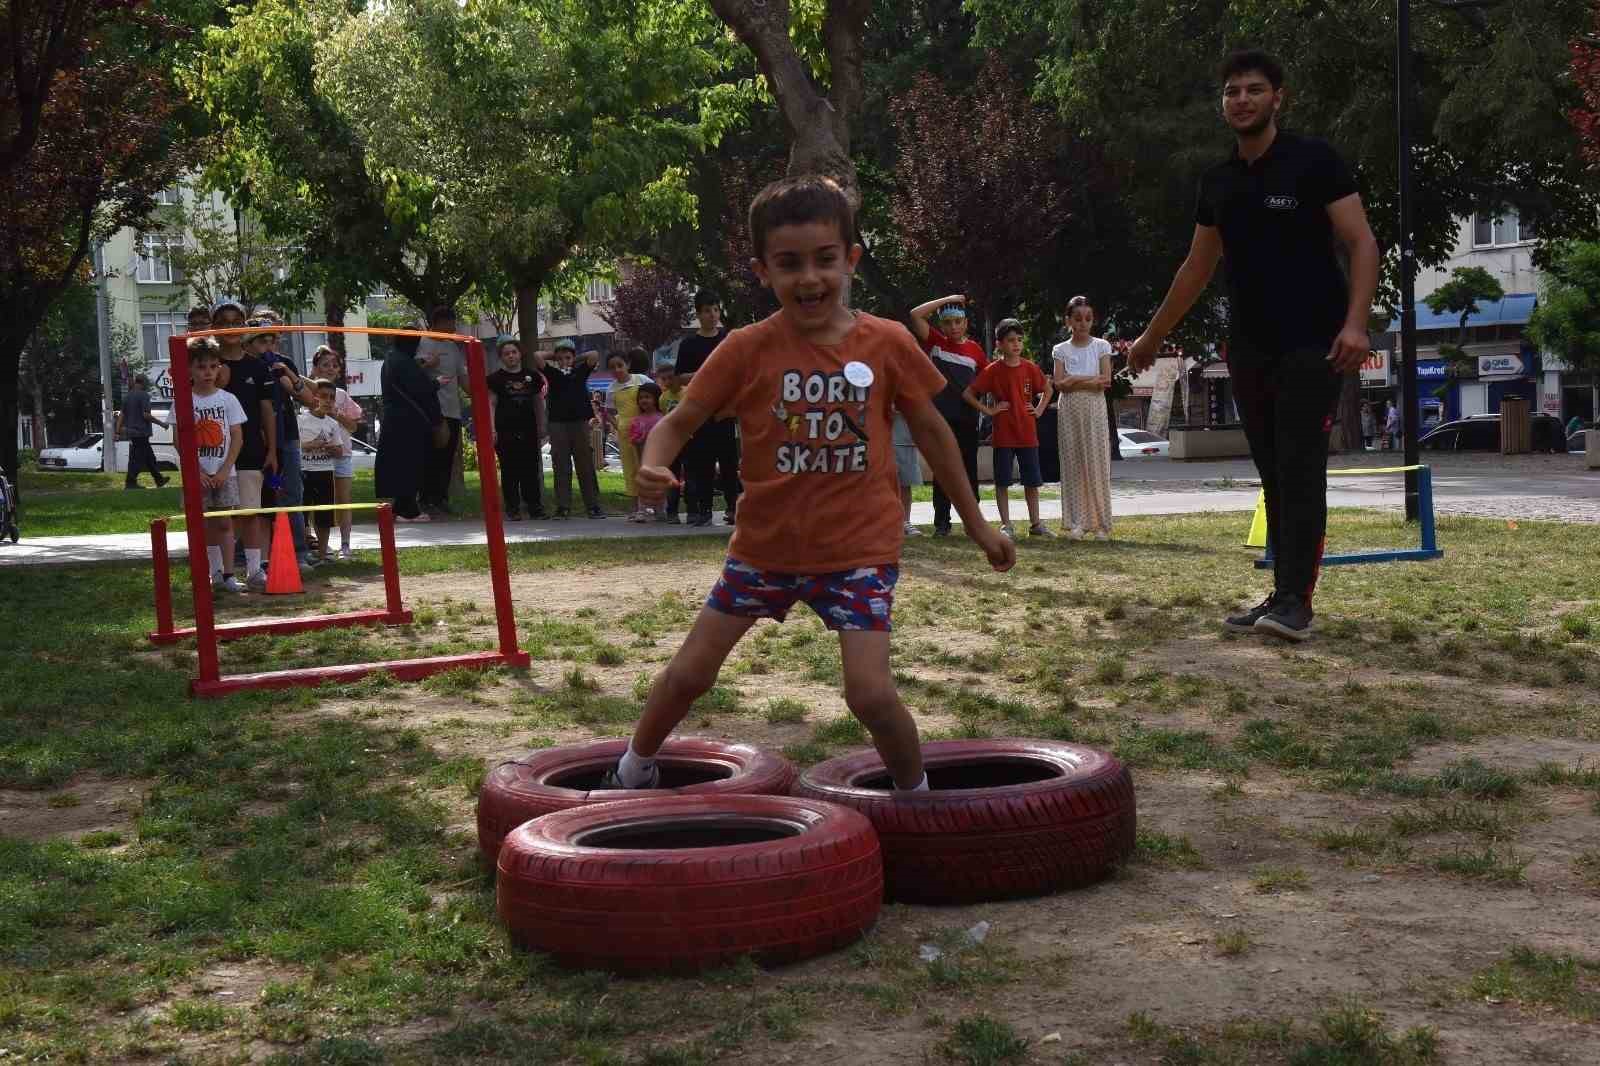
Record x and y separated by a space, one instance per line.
1557 488
1126 500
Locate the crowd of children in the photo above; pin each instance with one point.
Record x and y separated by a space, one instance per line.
225 433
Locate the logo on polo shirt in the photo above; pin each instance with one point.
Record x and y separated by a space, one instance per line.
1281 203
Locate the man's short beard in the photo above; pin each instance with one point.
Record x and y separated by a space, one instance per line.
1258 126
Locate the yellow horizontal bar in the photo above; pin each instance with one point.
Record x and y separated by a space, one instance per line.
274 510
1378 470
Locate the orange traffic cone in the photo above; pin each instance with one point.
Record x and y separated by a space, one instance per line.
283 576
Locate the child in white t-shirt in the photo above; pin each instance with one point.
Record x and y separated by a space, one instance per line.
321 443
1083 431
219 434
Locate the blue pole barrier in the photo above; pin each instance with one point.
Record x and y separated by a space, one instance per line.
1425 508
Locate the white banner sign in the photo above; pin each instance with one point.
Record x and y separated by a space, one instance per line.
362 377
1375 370
1166 376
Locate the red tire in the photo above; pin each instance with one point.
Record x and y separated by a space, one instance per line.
557 779
686 883
1003 818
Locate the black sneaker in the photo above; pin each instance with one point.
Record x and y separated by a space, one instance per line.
728 518
538 515
941 531
1290 618
613 780
595 512
513 516
700 520
562 512
1245 621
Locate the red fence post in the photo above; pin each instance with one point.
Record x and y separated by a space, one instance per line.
391 563
193 511
489 486
163 575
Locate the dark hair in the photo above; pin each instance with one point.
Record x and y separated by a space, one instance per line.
441 311
204 349
1007 329
1077 302
200 309
509 342
1251 61
638 359
706 298
796 201
407 345
140 380
653 389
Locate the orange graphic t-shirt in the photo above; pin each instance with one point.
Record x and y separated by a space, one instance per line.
815 426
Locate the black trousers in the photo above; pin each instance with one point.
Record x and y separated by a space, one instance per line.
966 432
1287 401
710 460
441 462
141 457
521 473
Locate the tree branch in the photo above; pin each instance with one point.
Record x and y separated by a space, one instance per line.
843 30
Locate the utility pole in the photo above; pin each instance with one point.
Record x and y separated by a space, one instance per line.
108 437
1410 413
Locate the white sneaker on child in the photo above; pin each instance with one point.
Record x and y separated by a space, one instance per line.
344 555
231 584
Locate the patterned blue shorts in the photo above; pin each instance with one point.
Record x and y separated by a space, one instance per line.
860 599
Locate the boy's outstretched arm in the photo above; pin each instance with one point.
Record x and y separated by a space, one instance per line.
663 445
934 439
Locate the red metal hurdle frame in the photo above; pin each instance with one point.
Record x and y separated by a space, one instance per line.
210 680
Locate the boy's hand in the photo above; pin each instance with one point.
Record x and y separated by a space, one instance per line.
1001 551
653 483
1001 405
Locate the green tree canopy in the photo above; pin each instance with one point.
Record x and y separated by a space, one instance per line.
1567 320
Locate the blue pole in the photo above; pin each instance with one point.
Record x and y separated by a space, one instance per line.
1425 508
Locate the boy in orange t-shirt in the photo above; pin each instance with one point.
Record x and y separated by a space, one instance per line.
1021 393
815 388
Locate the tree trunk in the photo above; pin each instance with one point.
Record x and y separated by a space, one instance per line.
1347 437
41 432
818 126
334 303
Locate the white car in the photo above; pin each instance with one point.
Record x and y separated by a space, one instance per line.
1138 444
363 456
80 455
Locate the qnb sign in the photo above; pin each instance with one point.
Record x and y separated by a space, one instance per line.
1500 366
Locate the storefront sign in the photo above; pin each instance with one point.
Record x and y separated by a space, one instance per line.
1431 370
1375 370
1499 366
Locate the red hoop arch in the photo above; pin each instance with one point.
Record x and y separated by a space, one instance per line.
210 680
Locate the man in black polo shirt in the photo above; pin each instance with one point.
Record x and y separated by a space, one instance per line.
1279 212
712 454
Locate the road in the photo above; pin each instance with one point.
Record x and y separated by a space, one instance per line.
1553 487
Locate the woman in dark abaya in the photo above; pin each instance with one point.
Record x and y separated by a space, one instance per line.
410 415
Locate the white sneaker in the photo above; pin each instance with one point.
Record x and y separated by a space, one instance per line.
1008 532
344 555
1074 533
1102 535
912 531
256 582
231 584
216 580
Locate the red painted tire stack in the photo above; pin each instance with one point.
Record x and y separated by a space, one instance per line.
1003 818
686 883
558 779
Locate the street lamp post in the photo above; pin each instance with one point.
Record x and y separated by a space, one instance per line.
1410 412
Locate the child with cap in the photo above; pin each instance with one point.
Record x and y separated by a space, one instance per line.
959 358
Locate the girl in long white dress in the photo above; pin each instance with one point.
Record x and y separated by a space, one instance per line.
1082 366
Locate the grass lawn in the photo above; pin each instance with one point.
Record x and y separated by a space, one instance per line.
1381 847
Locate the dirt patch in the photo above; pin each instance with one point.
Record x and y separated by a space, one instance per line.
1516 754
88 803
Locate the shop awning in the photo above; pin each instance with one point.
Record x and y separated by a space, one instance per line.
1514 310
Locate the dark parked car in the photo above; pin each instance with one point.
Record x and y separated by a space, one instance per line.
1481 433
